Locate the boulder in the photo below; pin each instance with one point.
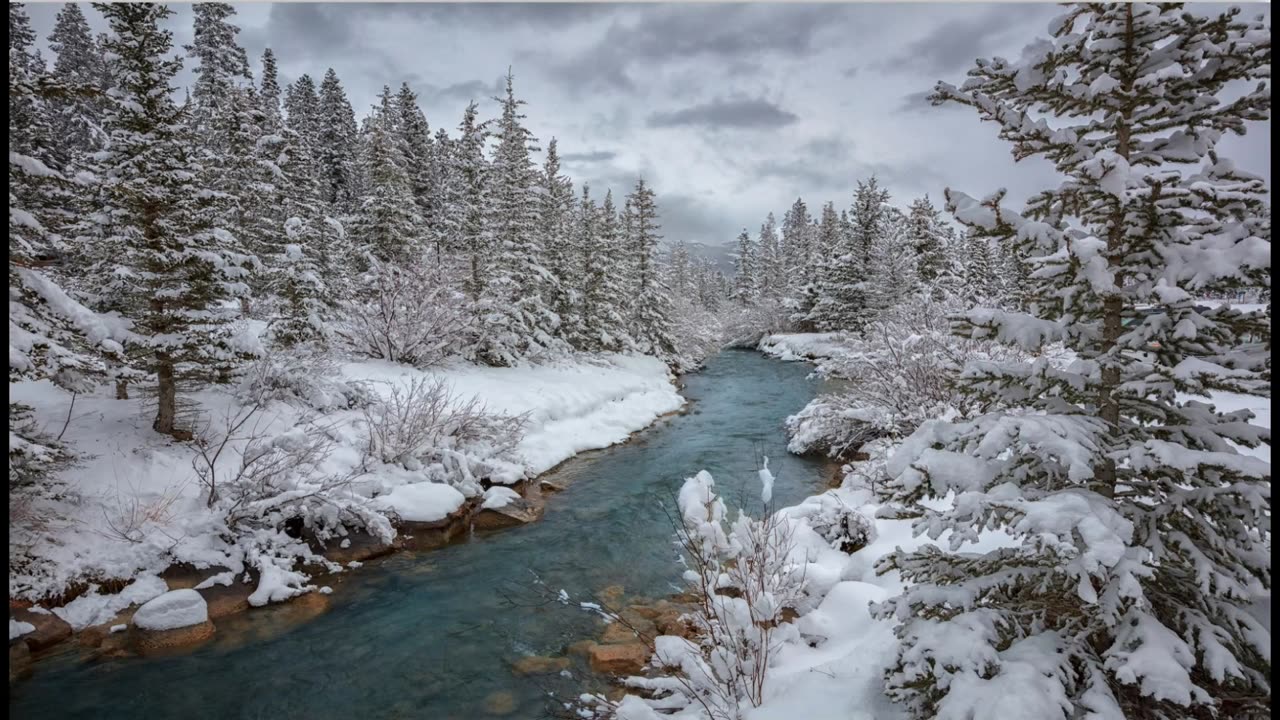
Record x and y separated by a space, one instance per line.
359 546
516 512
620 659
539 665
171 611
224 600
160 642
50 629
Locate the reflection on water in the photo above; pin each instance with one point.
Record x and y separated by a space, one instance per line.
432 635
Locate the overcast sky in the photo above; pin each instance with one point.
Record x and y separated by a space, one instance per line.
728 110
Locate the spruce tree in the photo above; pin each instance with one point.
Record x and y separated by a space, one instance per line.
386 226
800 255
565 286
518 323
602 324
746 280
335 145
77 110
651 301
222 66
302 110
269 94
1141 530
772 269
928 234
893 269
173 268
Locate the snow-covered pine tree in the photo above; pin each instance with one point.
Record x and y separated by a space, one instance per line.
386 224
562 256
929 235
269 94
797 244
222 67
602 323
77 110
414 136
1141 527
805 290
680 277
302 110
746 278
651 299
172 268
978 268
444 199
336 139
893 274
772 270
468 202
518 322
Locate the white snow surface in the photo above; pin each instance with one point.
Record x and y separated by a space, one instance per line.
141 507
423 502
172 610
17 628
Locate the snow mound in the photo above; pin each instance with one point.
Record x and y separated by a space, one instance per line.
17 628
423 502
499 497
172 610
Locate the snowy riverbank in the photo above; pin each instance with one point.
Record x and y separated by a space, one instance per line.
137 506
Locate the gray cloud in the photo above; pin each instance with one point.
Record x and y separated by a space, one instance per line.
955 44
589 157
756 114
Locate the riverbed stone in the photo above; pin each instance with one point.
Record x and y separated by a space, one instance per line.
620 659
611 596
516 512
502 702
19 660
224 600
360 546
161 642
582 648
547 486
539 665
50 629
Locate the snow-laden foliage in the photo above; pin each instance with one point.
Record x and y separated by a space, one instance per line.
1142 532
744 579
897 374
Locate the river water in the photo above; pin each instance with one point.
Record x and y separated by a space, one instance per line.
432 634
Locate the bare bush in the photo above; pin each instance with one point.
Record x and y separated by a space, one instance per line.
406 314
424 422
301 375
127 515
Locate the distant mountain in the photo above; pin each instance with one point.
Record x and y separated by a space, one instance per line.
720 255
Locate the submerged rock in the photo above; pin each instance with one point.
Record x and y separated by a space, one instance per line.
515 512
502 702
19 660
539 665
620 659
156 642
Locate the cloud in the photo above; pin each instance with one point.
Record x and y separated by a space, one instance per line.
589 157
955 44
753 114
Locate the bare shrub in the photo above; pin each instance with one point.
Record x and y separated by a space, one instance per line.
301 375
406 314
128 514
423 422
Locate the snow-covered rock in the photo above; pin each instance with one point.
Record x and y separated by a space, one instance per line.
423 502
172 610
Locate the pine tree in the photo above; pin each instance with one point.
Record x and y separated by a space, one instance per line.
466 210
680 271
1142 531
173 268
414 136
651 306
269 94
772 265
518 322
386 226
800 255
222 67
601 323
302 109
555 194
894 267
928 234
335 143
746 280
78 109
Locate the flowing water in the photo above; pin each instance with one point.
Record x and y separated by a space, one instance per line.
432 634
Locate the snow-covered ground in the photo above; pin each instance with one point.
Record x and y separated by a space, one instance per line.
141 507
803 346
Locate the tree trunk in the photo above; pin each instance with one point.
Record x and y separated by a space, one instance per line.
1113 305
122 389
166 397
